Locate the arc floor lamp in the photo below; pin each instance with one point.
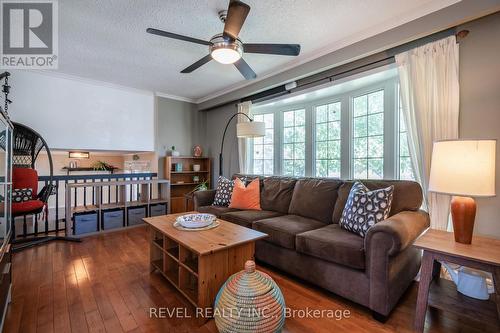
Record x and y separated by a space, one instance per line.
251 129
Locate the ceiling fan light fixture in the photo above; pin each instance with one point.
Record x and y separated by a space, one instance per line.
226 51
226 56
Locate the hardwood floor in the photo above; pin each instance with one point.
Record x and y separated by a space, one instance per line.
103 285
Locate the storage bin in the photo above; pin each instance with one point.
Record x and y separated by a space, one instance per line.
157 210
135 215
112 219
84 223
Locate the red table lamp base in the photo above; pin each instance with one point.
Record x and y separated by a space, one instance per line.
463 213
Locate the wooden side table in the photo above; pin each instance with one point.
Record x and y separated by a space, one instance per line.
483 254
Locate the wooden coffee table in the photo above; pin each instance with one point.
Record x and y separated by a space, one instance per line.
197 263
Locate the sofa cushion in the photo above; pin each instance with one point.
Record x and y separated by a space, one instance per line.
276 193
407 195
246 217
334 244
283 229
315 198
216 210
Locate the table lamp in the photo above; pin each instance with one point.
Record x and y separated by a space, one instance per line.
464 169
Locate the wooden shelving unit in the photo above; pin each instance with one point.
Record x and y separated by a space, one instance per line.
152 192
182 181
176 263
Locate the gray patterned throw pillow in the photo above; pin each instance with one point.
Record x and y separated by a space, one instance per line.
22 194
223 192
364 208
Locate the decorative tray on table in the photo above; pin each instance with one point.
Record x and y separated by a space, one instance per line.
198 221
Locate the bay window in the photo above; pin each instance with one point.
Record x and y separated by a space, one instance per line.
352 130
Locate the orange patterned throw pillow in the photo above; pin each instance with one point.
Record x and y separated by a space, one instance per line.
246 197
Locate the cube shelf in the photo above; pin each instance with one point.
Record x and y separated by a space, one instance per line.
146 193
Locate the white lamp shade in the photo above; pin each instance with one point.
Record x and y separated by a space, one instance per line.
463 167
251 129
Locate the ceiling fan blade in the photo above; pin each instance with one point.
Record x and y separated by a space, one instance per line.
279 49
236 14
197 64
176 36
245 69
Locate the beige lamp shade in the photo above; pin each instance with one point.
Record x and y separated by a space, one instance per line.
463 167
251 129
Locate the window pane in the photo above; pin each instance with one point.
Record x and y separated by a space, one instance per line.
368 136
360 148
269 120
327 143
263 148
403 144
322 132
376 102
299 152
269 138
376 146
360 128
269 152
288 134
334 168
360 168
288 119
322 150
406 169
288 167
299 168
294 137
376 168
288 151
334 112
268 167
334 130
360 106
258 167
300 134
376 124
258 152
321 168
334 149
321 114
300 117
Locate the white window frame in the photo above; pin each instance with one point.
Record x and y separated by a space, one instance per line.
391 129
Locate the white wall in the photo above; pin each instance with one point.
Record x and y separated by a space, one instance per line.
73 113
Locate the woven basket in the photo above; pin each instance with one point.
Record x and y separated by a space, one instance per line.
249 302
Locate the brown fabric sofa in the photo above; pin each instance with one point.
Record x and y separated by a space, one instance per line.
301 217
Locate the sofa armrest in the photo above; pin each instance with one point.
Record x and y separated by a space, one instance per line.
391 261
203 198
400 231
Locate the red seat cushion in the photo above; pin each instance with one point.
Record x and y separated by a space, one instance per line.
18 208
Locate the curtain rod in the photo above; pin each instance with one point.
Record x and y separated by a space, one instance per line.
357 66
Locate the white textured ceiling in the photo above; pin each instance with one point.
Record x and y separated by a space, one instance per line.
106 40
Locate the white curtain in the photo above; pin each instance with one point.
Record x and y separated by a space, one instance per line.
428 78
243 149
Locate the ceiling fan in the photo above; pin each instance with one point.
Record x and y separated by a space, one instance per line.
226 47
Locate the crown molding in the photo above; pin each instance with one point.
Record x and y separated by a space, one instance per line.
175 97
60 75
